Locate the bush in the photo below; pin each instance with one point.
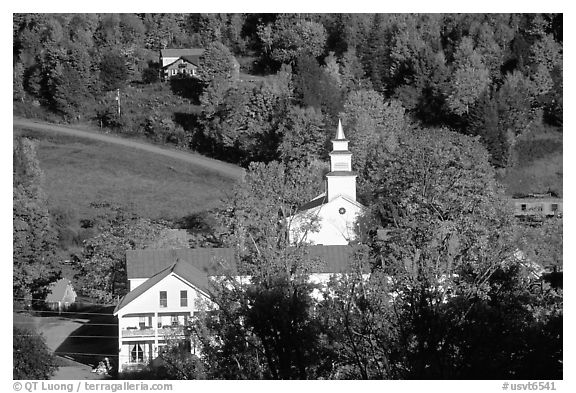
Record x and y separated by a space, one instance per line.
32 358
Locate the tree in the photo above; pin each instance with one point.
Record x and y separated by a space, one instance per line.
313 86
242 118
470 80
515 100
542 244
218 63
34 239
102 265
351 73
368 121
178 363
265 328
18 82
32 358
113 71
291 36
303 135
445 292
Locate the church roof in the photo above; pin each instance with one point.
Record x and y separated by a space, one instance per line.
320 200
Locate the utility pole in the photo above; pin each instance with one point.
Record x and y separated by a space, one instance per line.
118 99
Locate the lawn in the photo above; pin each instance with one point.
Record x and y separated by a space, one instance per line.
80 171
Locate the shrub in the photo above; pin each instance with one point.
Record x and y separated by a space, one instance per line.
32 358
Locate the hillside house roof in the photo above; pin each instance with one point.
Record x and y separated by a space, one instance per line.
194 60
193 52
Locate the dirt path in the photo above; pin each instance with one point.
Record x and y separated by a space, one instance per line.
223 168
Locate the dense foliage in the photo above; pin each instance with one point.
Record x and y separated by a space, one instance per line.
492 75
32 358
101 268
34 239
447 295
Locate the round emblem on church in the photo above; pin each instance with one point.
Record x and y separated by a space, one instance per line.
341 210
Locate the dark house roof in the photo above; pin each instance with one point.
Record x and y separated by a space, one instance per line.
194 60
215 261
184 270
181 52
195 265
146 263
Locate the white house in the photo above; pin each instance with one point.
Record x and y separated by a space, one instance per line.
336 210
179 61
170 286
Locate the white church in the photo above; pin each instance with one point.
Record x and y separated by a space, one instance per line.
170 286
336 209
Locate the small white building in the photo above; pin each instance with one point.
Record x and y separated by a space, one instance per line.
61 296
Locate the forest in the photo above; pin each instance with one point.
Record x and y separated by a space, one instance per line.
498 77
448 117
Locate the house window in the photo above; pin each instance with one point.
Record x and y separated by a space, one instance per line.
174 320
183 298
136 353
523 207
142 322
554 207
163 299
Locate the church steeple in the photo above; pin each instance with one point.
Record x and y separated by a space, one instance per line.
340 131
340 180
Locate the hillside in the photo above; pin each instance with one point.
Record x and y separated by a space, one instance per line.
538 164
81 171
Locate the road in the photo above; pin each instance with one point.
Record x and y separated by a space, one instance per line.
221 167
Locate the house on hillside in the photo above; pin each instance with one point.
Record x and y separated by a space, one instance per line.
61 296
175 62
170 286
538 205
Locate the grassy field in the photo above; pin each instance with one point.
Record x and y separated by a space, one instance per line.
539 166
80 171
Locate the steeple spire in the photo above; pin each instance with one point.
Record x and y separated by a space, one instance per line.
340 132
